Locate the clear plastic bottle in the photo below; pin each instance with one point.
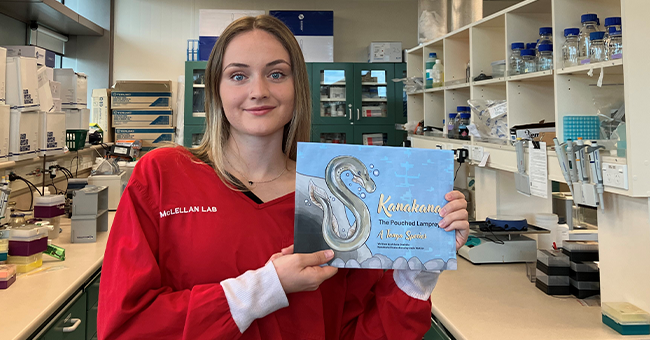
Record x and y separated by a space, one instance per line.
590 24
428 69
545 59
610 22
463 121
437 74
545 37
570 49
615 44
597 51
451 125
530 61
516 64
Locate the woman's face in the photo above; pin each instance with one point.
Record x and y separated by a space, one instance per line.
257 86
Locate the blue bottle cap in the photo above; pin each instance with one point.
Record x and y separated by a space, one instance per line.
589 17
596 35
465 116
433 55
546 47
611 21
453 115
545 30
527 52
614 31
571 31
462 108
518 45
531 46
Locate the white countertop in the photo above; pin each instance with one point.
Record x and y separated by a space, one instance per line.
33 298
497 301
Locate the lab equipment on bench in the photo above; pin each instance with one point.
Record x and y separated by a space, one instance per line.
564 164
625 318
500 246
7 275
522 182
116 184
89 213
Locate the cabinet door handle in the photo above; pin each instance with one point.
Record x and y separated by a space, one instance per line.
350 114
357 114
72 328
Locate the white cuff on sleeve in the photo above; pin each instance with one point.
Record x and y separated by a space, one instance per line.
254 294
416 284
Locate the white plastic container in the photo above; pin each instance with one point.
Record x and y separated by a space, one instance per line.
51 133
23 135
3 75
74 88
22 84
44 90
5 119
115 184
498 68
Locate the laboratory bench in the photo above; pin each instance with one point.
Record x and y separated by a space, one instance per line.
498 301
40 303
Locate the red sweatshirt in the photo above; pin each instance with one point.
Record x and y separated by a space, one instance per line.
180 233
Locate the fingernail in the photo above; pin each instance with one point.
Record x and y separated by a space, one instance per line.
329 253
442 224
443 212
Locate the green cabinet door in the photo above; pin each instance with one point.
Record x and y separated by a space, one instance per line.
195 92
332 93
192 135
374 94
400 95
374 135
340 134
70 323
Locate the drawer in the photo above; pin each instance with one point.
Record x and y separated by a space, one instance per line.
91 322
69 324
92 292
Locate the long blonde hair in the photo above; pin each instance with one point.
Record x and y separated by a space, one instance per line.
217 131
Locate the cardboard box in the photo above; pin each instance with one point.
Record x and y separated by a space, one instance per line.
49 72
314 31
539 132
3 75
147 94
43 56
51 133
44 91
23 135
385 52
151 137
4 132
142 118
77 119
22 84
101 112
74 88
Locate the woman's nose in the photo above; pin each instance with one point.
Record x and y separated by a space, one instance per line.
259 88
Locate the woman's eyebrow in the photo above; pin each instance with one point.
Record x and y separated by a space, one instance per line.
279 61
236 65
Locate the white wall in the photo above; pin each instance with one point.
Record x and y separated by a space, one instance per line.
151 35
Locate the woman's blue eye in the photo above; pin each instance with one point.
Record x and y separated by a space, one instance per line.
238 77
276 75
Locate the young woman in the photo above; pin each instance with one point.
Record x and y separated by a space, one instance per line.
201 245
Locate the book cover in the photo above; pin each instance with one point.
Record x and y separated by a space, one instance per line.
376 207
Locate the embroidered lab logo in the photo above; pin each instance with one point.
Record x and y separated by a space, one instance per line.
188 210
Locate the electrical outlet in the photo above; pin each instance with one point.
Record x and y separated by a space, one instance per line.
615 175
50 164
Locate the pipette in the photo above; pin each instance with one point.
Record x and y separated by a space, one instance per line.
572 161
596 170
564 163
579 150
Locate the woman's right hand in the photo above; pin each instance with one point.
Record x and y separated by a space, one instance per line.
302 272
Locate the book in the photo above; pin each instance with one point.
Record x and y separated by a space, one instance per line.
377 207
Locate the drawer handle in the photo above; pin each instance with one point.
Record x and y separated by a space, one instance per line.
357 114
72 328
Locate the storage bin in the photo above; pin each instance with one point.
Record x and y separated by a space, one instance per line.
25 264
27 240
498 68
626 329
49 206
553 262
584 271
625 312
552 285
584 289
7 275
581 251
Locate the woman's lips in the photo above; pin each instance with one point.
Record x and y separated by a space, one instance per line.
260 110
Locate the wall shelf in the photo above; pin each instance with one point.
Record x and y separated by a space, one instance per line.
535 76
494 81
52 14
610 67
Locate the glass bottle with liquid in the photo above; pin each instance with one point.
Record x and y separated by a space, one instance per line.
615 44
597 50
545 59
545 37
516 63
429 69
451 125
571 49
463 122
611 22
590 24
529 61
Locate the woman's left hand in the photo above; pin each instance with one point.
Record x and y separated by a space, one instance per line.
454 216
